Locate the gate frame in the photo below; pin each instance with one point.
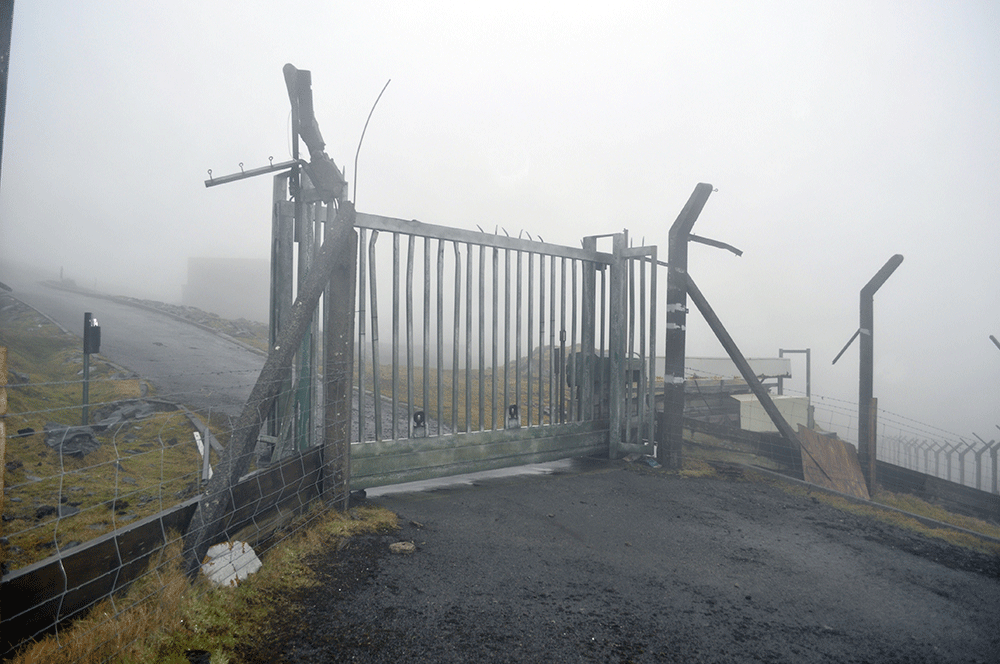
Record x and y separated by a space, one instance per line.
627 426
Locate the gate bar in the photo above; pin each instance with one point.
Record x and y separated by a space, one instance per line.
414 227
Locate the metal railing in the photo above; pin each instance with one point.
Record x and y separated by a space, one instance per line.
491 332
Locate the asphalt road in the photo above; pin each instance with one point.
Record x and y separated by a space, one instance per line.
185 363
606 563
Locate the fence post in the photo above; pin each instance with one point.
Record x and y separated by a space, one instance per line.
282 240
868 461
584 364
993 458
671 442
3 423
866 427
617 344
979 461
961 463
209 520
338 357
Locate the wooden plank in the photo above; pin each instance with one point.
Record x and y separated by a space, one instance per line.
831 463
338 357
274 488
38 596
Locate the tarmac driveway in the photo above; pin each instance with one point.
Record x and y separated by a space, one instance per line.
611 564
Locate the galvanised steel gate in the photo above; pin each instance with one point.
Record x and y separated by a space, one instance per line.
479 351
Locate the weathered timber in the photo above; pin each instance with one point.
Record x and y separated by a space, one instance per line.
209 520
338 358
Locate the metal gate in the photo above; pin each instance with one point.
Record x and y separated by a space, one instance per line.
478 351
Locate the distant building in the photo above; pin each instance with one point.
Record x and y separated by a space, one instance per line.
229 287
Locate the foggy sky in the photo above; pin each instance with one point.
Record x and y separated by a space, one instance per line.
837 136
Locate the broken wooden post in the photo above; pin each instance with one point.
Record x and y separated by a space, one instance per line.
209 520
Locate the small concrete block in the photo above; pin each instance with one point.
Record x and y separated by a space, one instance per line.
228 563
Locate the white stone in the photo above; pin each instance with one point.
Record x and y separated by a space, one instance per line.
228 563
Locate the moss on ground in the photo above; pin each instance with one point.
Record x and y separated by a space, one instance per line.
53 501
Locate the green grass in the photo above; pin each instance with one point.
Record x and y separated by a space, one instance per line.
140 468
451 399
162 615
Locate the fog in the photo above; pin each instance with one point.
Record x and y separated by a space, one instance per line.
836 135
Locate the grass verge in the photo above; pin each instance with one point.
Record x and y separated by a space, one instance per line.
163 615
145 463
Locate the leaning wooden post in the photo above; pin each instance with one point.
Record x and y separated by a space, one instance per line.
338 358
209 520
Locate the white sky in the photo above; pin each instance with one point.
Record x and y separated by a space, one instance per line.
837 135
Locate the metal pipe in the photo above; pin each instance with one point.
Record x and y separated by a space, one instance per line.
482 335
584 368
495 341
561 383
574 395
376 365
455 338
440 335
529 332
541 338
652 344
362 420
411 241
517 349
395 333
552 341
468 338
242 175
425 401
506 338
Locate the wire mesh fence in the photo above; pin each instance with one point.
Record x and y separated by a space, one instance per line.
93 509
724 423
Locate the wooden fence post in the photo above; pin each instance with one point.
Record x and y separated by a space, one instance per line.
338 358
209 520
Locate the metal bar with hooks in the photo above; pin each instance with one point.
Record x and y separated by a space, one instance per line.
243 175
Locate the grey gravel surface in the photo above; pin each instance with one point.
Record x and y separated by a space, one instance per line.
613 565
